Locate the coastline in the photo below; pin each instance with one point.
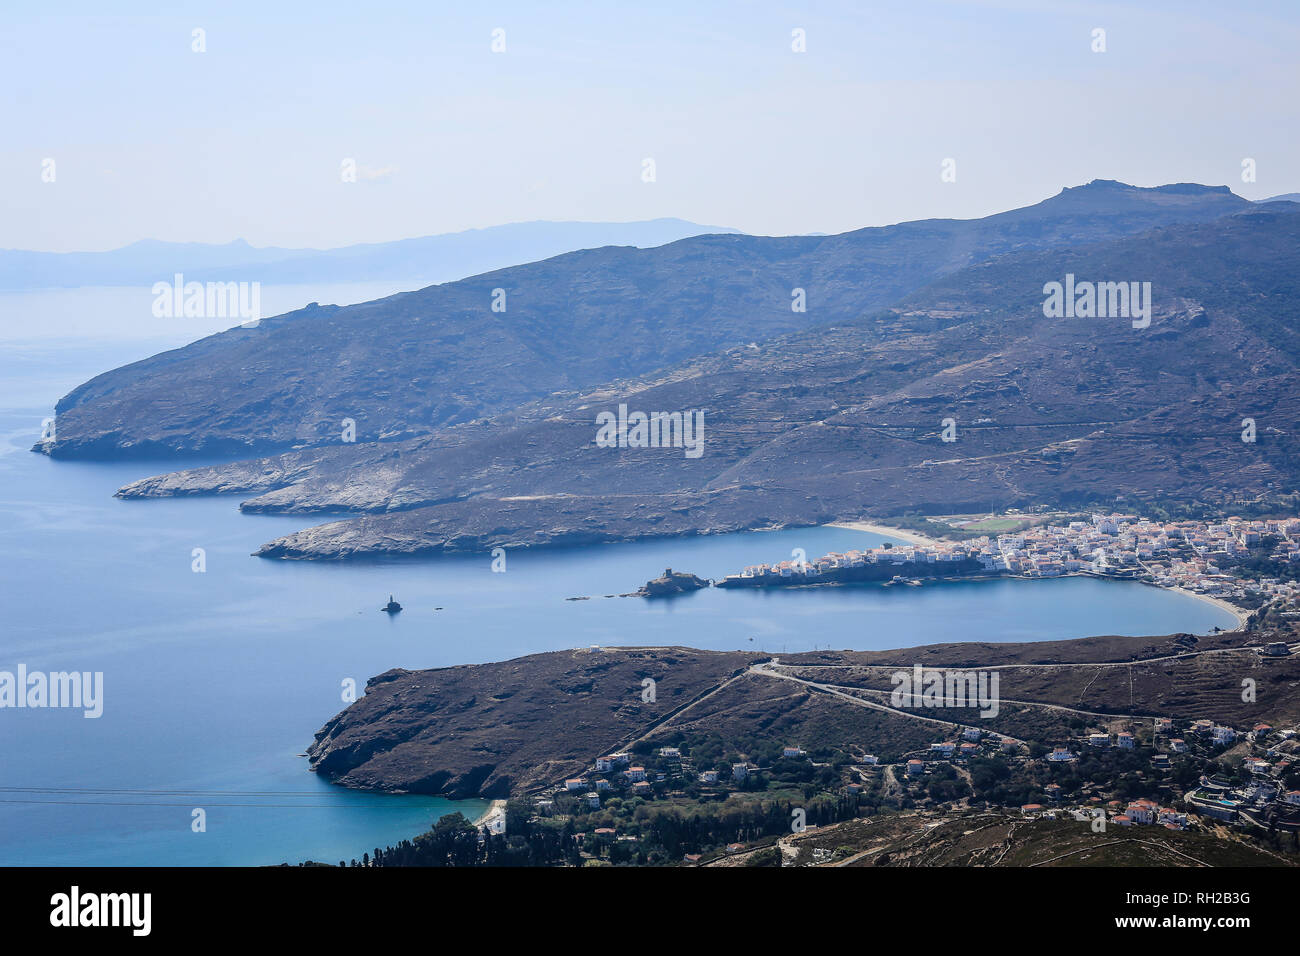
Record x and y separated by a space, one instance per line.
496 810
909 537
1241 614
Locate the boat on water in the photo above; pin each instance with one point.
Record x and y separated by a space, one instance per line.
392 607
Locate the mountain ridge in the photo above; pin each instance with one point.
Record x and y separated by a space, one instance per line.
571 322
845 421
439 257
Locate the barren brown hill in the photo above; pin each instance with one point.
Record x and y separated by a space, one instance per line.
495 729
410 364
490 729
848 420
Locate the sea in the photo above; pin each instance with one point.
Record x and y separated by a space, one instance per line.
215 681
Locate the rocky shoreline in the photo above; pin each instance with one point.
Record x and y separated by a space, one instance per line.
672 582
481 524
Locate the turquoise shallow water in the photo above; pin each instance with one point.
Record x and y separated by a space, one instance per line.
216 682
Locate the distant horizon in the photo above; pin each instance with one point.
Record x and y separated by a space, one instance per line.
240 240
324 127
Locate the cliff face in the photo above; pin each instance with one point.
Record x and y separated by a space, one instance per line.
410 364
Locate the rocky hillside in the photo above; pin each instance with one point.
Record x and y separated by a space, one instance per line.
847 420
491 729
498 729
411 364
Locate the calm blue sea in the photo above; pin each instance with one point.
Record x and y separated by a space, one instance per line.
214 683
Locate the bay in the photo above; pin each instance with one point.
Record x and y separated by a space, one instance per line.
215 682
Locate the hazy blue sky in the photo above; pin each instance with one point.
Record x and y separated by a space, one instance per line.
246 139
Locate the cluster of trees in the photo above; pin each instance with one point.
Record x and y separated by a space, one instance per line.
536 846
1194 510
453 841
704 827
664 834
943 785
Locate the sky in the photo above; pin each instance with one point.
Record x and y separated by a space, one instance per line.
247 139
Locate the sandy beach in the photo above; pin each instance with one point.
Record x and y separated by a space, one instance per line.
496 811
898 534
1239 613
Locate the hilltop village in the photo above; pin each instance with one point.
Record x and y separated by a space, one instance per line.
1244 563
1213 791
1173 774
808 760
